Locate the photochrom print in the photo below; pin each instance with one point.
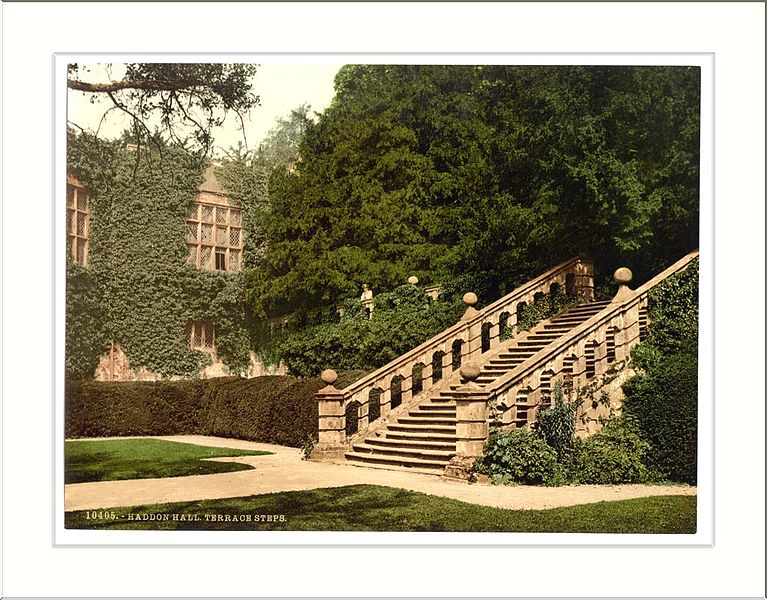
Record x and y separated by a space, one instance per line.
348 296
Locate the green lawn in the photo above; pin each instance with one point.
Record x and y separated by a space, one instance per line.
374 508
109 460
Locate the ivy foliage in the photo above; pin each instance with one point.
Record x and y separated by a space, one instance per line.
402 319
138 290
86 336
673 306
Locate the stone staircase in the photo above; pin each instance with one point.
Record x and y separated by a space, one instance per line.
424 440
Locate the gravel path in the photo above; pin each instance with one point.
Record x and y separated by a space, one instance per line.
285 471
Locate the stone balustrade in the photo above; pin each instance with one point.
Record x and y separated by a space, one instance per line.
583 353
434 361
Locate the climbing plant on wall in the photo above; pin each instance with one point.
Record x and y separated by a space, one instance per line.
138 290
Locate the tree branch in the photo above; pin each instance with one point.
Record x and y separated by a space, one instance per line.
136 120
156 85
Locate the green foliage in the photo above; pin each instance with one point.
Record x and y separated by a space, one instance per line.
664 401
499 171
138 290
308 447
246 175
272 409
617 454
86 338
663 397
556 425
112 460
520 456
101 409
673 306
402 319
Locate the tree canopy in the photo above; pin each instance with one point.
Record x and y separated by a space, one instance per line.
187 99
498 171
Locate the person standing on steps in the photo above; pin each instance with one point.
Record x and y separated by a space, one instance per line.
366 299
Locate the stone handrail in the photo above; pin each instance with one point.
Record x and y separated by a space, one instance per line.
583 352
574 275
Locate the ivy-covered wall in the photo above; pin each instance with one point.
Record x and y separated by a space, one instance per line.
137 290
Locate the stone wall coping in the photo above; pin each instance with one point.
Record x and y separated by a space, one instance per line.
586 329
455 330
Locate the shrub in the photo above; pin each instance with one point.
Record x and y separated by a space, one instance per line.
520 456
270 409
616 454
664 402
402 319
557 424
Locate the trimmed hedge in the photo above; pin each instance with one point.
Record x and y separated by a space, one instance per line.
271 409
664 402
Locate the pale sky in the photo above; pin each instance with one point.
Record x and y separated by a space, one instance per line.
282 87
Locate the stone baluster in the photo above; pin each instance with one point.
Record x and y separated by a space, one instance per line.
406 385
364 411
332 420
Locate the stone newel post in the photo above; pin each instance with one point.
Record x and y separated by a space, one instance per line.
628 337
332 420
623 277
472 429
474 335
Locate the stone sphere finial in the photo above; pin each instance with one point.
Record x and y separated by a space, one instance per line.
412 280
329 376
470 371
470 298
623 276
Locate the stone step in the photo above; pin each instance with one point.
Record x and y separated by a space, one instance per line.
436 414
431 455
435 406
417 443
515 354
558 329
438 471
445 429
585 310
421 436
528 345
428 420
500 368
435 465
572 321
